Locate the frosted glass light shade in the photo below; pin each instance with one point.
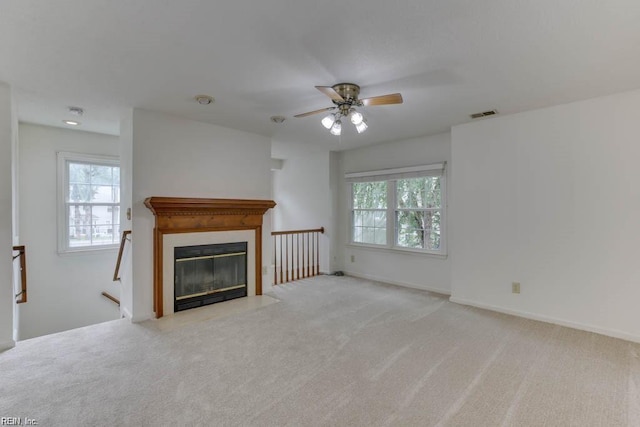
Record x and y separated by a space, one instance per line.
336 129
327 122
356 118
362 126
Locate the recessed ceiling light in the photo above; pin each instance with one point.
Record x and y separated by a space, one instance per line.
278 119
204 99
71 122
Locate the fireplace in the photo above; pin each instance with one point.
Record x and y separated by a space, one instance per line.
207 274
184 222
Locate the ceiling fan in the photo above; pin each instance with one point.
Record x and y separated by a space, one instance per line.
345 98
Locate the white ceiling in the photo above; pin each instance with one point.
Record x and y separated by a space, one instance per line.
263 58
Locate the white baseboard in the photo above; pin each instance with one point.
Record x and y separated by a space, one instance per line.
395 282
548 319
142 318
6 345
126 313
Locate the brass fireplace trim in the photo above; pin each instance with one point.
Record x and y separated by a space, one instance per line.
215 291
195 215
210 256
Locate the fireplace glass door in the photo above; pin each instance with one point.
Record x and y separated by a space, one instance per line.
207 274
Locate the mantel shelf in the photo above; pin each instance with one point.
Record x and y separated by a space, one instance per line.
163 206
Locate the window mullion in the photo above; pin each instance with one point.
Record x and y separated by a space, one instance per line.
391 213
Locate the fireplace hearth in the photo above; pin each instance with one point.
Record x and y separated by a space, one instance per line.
207 274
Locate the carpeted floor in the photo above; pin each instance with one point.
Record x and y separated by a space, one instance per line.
336 351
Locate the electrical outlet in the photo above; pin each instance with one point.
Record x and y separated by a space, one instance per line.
515 287
353 258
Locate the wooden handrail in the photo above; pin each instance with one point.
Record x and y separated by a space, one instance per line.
22 254
315 230
296 254
112 298
116 273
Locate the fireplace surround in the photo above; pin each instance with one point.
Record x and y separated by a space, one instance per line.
202 216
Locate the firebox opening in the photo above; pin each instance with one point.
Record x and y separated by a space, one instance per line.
207 274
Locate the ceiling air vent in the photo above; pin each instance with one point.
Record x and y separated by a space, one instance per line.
484 114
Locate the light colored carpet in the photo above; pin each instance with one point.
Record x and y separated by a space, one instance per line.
336 351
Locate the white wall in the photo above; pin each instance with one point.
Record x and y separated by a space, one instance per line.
126 188
408 269
549 198
15 214
64 290
302 190
175 157
6 232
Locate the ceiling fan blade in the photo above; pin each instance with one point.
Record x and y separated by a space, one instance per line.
314 112
394 98
330 92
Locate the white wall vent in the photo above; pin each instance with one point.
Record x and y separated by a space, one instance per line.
484 114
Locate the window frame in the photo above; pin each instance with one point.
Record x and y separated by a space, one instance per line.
63 159
353 211
392 210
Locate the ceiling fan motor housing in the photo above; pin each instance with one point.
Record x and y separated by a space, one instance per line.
349 92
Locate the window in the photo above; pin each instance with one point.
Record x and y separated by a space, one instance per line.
89 202
399 208
419 212
370 212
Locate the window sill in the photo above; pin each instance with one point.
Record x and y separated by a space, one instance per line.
396 250
88 250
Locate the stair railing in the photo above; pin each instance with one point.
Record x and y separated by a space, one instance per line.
296 254
125 236
111 297
22 254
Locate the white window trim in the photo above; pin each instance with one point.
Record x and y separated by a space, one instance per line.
391 176
63 226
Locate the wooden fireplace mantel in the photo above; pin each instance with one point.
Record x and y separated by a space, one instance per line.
194 215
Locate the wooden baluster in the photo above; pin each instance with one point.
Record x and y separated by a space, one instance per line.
286 255
293 257
317 253
309 248
281 260
308 259
302 255
298 254
310 253
275 261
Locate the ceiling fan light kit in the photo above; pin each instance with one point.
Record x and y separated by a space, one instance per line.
336 129
345 98
362 126
328 121
356 117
